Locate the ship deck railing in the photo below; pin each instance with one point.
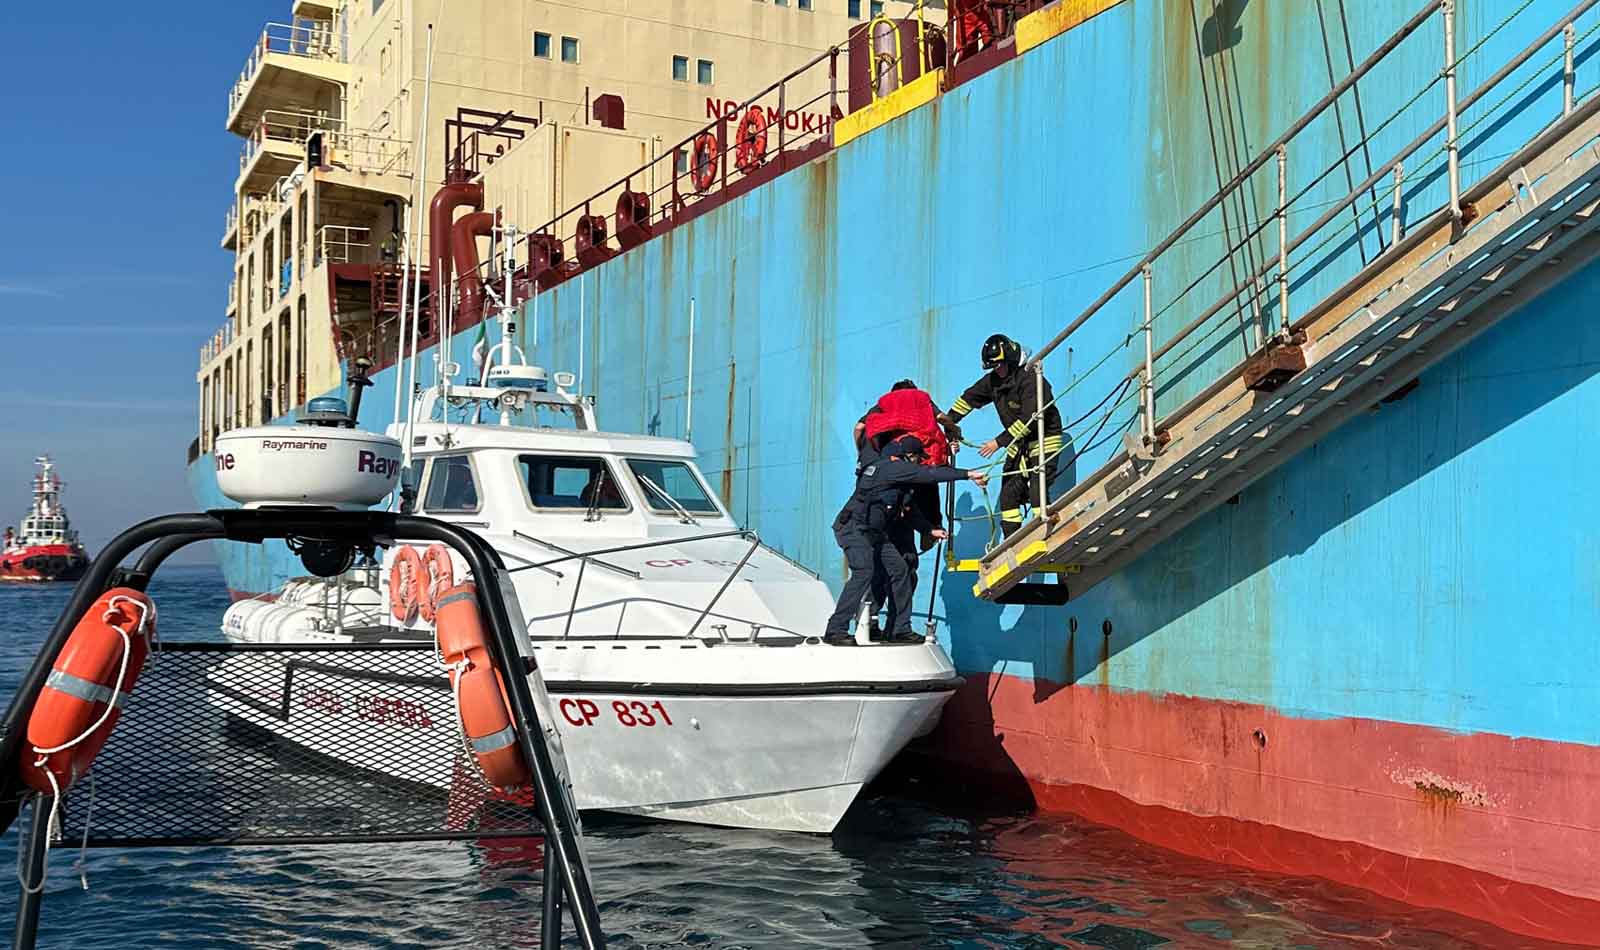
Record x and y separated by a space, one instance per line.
307 39
1223 372
803 109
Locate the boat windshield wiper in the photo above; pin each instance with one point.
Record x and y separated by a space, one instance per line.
683 513
593 513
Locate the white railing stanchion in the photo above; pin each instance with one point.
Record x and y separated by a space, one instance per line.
1283 238
1038 403
1448 9
1396 222
1149 400
1569 39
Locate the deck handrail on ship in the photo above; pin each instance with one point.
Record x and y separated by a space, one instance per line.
669 196
308 39
661 194
1518 229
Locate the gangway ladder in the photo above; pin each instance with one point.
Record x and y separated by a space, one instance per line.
1522 229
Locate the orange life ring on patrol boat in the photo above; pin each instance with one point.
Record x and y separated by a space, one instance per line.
703 161
752 139
405 584
438 573
480 698
82 698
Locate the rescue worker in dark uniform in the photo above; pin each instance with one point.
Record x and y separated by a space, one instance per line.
864 528
1012 390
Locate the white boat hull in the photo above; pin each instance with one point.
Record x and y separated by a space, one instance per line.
779 756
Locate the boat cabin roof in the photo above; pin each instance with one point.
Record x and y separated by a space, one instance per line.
429 438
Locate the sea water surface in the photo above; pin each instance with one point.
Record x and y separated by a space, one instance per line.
900 872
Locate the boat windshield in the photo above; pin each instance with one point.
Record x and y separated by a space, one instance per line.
564 481
677 480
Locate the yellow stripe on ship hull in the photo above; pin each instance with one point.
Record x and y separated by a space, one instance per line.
1056 19
919 92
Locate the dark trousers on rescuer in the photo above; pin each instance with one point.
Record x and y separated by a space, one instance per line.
903 538
1020 485
871 554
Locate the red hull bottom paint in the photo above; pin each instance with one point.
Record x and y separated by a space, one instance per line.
43 563
1503 830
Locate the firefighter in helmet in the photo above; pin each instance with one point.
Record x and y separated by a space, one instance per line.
1012 389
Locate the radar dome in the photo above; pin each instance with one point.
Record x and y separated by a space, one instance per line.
302 465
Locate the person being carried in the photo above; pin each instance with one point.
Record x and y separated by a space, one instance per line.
1012 389
864 527
904 410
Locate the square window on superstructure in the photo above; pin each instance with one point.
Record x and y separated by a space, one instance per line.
451 486
853 8
569 49
541 45
680 68
672 486
681 162
780 3
876 6
569 482
803 4
706 71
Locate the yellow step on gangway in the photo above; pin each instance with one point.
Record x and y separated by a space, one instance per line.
1522 228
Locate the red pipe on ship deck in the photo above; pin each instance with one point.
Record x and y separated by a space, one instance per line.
440 213
464 236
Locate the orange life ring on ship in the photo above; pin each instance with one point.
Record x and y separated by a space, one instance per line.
481 705
82 698
438 573
703 161
752 139
405 585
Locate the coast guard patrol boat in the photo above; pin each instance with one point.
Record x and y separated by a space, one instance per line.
681 653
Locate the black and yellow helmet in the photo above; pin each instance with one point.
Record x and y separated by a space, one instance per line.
1001 349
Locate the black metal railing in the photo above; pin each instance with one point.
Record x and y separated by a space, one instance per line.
183 780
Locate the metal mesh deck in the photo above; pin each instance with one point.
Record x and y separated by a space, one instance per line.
224 743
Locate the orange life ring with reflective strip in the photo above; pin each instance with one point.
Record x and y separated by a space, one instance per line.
405 584
752 139
82 698
438 574
703 161
481 705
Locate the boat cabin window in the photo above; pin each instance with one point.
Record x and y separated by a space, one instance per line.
451 486
563 481
677 480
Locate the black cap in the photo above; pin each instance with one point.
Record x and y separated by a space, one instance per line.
906 445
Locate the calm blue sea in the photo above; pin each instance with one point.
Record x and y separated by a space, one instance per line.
901 872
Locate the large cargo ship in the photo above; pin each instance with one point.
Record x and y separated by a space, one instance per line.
1310 282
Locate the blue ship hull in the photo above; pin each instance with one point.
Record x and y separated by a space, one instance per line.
1378 665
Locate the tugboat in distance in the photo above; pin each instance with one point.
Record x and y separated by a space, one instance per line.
45 548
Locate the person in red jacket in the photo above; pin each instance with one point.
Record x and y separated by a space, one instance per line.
905 410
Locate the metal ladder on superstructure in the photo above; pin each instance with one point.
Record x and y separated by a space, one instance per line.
1524 227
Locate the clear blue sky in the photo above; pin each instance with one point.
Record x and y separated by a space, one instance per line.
115 172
